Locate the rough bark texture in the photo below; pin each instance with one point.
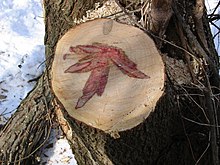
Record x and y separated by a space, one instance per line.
167 136
28 128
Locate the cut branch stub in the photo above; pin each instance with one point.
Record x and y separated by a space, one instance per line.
107 75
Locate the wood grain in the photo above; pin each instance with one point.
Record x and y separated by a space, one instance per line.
126 101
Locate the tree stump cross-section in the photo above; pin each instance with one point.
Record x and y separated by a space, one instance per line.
107 74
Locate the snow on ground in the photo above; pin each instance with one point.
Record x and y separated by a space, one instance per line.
21 50
57 151
21 56
21 60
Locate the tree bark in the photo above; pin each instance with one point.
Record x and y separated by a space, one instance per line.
181 130
29 127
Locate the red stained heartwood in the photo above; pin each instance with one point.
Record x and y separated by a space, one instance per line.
98 59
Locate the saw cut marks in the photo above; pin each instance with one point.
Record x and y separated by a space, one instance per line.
109 77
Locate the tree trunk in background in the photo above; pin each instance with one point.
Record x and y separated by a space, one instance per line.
181 130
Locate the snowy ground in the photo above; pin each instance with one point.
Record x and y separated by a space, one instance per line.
21 50
21 58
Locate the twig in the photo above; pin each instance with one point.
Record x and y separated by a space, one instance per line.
198 123
203 152
200 107
216 7
207 91
190 145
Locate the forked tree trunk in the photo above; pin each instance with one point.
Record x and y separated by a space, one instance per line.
181 128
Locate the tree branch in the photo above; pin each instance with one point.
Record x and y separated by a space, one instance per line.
28 128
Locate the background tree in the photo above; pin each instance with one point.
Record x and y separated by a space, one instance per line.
182 129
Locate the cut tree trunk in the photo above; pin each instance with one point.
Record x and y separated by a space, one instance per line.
126 79
180 125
